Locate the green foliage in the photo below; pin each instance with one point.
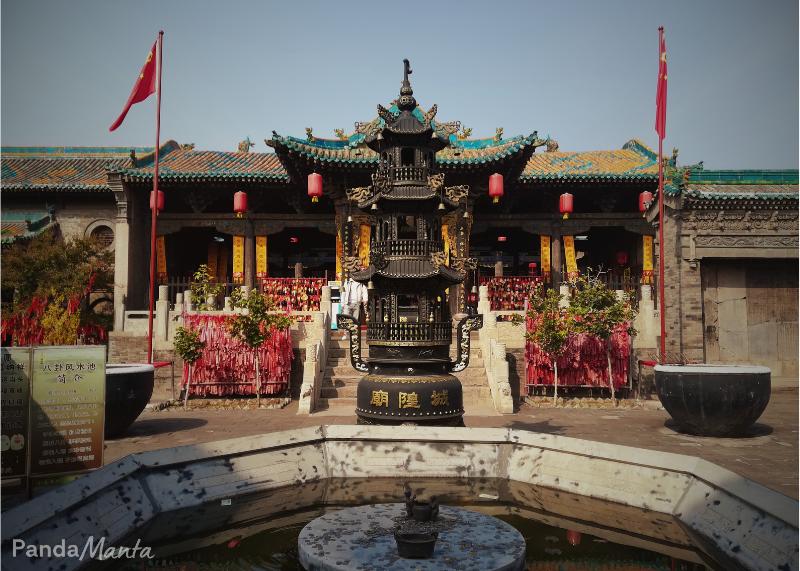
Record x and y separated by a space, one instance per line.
47 266
188 345
203 286
596 310
552 323
516 319
256 323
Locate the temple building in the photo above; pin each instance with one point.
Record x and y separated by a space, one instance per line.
731 237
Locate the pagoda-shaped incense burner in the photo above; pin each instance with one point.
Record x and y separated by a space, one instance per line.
410 327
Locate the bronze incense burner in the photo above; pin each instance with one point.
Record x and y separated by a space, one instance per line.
411 267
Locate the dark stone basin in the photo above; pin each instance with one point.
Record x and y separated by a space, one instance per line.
415 545
128 390
713 400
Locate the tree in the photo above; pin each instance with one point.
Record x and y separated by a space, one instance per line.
596 310
203 286
48 281
47 265
255 325
552 326
189 347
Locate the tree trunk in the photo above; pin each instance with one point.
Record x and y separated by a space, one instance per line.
188 385
610 375
258 381
555 382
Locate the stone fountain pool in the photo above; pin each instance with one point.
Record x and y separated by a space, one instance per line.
260 531
242 502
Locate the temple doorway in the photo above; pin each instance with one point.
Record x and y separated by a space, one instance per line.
313 249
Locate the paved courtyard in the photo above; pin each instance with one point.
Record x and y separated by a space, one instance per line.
768 456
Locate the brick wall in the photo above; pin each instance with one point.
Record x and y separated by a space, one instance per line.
127 348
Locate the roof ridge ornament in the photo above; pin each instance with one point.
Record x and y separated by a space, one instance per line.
406 101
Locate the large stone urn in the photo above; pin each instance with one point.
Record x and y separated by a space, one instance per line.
128 390
713 400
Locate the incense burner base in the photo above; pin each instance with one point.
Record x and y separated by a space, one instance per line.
432 399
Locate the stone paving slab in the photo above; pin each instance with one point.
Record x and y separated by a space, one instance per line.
768 456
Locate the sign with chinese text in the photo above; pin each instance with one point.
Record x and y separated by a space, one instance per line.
544 249
647 259
14 441
363 245
67 409
161 259
238 258
261 256
569 255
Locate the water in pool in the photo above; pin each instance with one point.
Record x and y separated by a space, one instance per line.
563 532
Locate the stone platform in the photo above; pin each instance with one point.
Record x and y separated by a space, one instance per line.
363 538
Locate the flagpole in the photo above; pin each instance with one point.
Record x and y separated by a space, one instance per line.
661 301
154 202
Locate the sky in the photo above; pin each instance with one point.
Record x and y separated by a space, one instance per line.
582 72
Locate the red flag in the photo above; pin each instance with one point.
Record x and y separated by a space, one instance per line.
661 90
145 86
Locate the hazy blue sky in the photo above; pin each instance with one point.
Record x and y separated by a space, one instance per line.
583 72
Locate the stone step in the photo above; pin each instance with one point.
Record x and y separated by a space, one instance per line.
343 362
348 372
342 371
347 391
336 407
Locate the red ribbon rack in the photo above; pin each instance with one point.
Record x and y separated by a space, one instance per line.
227 366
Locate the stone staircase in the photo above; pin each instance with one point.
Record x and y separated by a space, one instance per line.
341 379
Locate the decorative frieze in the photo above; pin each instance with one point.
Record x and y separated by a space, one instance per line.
769 241
738 220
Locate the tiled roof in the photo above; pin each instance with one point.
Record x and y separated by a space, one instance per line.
16 226
634 161
745 177
76 152
741 193
720 187
353 151
43 172
185 165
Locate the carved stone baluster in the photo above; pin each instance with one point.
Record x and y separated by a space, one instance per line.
464 327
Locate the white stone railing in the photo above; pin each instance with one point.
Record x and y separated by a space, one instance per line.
314 367
307 328
494 338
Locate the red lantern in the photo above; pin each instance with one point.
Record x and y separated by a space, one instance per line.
502 238
532 269
565 205
160 200
622 258
240 203
314 186
496 187
573 537
644 198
